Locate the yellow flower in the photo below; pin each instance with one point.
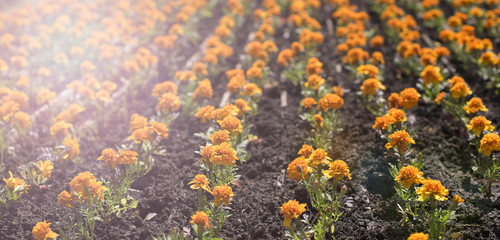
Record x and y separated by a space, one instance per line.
318 157
338 170
223 154
12 183
293 168
480 124
474 105
200 181
45 168
489 143
408 176
205 113
72 148
409 97
45 96
399 139
41 231
231 124
201 220
219 137
433 189
292 210
418 236
370 86
222 193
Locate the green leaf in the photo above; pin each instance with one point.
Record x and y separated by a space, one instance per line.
133 204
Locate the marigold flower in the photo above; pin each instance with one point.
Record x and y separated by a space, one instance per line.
433 189
231 124
294 173
41 231
383 122
255 72
84 183
8 109
408 176
22 119
12 183
200 181
220 137
474 105
399 139
137 121
251 89
201 220
318 157
337 170
418 236
127 157
204 89
72 146
480 124
223 194
314 67
164 87
368 70
489 143
308 102
21 98
330 102
338 90
398 114
206 153
370 86
69 113
45 168
205 113
314 82
409 97
306 150
228 109
439 97
431 74
109 156
242 105
394 101
223 154
159 128
45 96
460 90
66 199
292 210
168 102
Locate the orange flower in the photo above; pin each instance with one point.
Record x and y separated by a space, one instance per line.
201 220
223 154
294 173
255 72
368 70
85 183
330 102
204 89
409 97
418 236
460 90
408 176
314 67
431 74
338 90
250 89
22 120
292 210
489 143
41 231
400 139
318 157
159 128
242 105
306 150
168 102
45 168
370 86
394 101
439 97
205 113
12 183
200 181
137 121
45 96
433 189
383 122
66 199
337 170
314 82
231 124
109 156
222 193
219 137
398 114
72 148
164 87
474 105
480 124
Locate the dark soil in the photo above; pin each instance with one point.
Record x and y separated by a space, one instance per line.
370 209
